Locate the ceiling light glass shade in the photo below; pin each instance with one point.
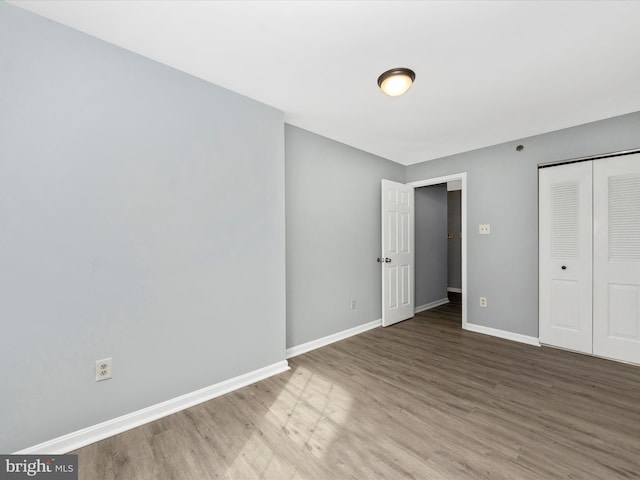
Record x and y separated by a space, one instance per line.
396 81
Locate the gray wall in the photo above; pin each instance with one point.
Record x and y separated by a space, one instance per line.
141 218
333 235
502 189
454 245
431 244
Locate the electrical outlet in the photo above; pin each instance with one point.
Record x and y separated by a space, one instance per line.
353 303
103 369
485 229
483 301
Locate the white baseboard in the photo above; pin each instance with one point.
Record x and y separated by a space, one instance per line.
89 435
454 290
494 332
336 337
434 304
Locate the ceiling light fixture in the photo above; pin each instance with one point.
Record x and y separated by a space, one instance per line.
396 81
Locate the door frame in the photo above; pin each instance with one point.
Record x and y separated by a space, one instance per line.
463 207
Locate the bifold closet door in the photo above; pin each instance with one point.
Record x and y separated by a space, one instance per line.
616 255
565 290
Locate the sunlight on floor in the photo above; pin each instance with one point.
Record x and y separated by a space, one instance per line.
310 412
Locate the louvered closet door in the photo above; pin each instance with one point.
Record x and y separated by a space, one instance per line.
616 269
565 256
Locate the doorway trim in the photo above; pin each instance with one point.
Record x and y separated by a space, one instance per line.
463 214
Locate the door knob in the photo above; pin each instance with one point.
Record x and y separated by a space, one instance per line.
564 267
387 260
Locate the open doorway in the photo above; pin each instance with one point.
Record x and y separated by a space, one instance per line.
454 241
438 261
431 252
456 183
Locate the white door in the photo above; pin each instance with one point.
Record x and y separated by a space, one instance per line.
397 252
616 268
565 290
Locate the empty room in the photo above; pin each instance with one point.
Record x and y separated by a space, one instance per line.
319 240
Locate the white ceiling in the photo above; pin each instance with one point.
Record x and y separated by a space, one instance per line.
486 72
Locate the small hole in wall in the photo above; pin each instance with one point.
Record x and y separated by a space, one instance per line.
519 148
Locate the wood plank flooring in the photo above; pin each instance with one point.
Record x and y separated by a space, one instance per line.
422 399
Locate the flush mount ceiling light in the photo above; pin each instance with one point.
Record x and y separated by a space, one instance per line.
396 81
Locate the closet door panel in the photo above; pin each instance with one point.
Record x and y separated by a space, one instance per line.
616 302
565 212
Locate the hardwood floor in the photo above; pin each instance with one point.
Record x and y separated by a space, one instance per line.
422 399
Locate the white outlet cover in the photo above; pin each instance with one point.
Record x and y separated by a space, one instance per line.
103 369
485 229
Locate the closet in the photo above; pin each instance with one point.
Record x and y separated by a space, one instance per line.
589 257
